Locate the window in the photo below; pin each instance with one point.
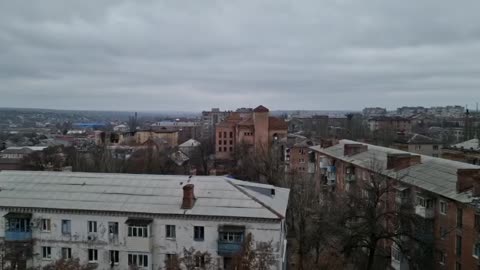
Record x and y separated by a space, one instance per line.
200 261
476 250
219 142
138 231
231 134
231 142
66 253
113 228
220 149
140 260
18 225
418 147
459 245
224 149
477 222
443 232
45 225
225 142
442 258
114 257
225 134
459 217
220 134
92 226
92 255
66 226
443 207
170 231
234 237
198 233
435 147
46 252
427 203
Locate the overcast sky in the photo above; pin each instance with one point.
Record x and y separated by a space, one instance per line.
194 55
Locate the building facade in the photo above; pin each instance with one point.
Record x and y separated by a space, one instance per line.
444 195
116 221
419 144
256 130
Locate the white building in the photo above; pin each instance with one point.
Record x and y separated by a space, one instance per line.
121 219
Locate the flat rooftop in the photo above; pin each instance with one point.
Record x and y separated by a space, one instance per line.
217 196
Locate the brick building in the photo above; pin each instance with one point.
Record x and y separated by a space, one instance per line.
444 195
255 129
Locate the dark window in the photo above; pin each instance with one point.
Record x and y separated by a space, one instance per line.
219 149
435 147
224 149
231 142
92 255
459 245
113 228
198 233
92 226
138 231
220 142
477 222
220 134
225 134
231 134
225 142
459 217
114 257
170 231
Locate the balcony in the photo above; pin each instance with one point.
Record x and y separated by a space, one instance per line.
228 248
424 211
18 236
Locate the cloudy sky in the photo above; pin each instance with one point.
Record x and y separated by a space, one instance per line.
192 55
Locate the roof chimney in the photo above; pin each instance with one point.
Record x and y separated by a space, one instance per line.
188 197
350 149
399 161
467 179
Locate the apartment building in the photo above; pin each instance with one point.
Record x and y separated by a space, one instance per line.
209 121
445 196
116 221
394 123
419 144
253 129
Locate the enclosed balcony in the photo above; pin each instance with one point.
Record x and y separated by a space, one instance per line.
424 207
17 227
230 240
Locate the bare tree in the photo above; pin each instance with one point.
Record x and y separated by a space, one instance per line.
254 255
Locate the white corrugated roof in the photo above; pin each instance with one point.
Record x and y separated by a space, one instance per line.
436 175
152 194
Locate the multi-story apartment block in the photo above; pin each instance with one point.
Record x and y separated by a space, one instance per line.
394 123
116 221
445 196
209 121
253 129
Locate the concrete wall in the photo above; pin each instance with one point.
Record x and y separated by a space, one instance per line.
156 246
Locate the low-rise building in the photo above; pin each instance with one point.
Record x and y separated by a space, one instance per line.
11 157
393 123
468 151
116 221
419 144
444 193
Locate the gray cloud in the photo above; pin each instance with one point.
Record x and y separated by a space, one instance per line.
192 55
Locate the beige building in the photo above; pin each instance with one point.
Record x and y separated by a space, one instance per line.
419 144
141 136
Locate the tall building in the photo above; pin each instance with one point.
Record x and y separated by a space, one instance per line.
209 121
256 130
443 194
116 221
